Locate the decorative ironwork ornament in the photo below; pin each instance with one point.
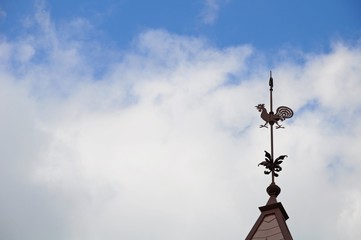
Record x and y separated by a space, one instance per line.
272 166
282 113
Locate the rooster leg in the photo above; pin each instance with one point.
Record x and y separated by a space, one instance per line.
264 125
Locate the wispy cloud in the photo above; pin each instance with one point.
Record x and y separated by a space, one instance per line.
2 14
162 145
210 11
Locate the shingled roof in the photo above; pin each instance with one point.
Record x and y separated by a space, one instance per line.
271 224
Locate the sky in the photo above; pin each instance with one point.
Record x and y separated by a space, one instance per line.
137 120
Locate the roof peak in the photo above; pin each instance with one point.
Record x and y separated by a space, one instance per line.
271 224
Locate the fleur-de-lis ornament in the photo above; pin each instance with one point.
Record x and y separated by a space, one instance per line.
272 166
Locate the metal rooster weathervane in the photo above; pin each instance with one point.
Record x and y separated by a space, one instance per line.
282 113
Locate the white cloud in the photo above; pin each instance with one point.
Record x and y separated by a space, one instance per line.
164 145
210 12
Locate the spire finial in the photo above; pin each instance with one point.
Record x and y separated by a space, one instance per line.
273 165
270 80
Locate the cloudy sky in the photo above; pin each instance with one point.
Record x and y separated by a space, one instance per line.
135 119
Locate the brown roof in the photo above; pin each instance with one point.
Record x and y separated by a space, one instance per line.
271 224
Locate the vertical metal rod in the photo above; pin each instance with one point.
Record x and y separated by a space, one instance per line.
273 173
271 122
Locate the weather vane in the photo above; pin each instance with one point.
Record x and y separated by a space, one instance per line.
282 113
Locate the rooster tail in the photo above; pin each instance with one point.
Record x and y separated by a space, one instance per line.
284 112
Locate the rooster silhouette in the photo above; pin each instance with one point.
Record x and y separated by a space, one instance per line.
282 113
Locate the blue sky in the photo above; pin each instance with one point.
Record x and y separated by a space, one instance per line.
268 25
131 120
